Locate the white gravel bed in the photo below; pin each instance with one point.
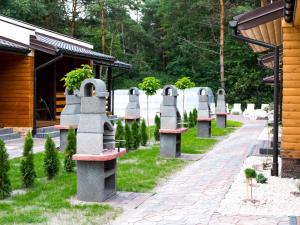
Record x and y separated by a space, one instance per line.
274 198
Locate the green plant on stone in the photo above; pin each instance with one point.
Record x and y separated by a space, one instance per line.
182 84
136 139
128 137
5 185
250 174
51 161
261 179
157 127
185 119
119 136
144 135
28 173
74 78
191 120
70 150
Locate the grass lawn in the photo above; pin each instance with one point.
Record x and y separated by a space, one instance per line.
138 171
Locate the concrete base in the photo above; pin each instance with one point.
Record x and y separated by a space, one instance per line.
96 181
170 145
290 168
204 129
221 121
63 139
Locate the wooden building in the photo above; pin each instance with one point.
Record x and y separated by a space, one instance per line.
33 60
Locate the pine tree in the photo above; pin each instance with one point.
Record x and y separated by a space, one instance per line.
136 139
128 137
70 150
119 136
185 119
51 161
144 135
191 120
157 127
5 186
27 164
195 115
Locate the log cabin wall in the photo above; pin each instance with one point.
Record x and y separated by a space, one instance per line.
16 90
290 152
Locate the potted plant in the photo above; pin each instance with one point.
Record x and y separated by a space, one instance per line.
250 174
73 79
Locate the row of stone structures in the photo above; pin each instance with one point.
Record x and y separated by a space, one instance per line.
96 154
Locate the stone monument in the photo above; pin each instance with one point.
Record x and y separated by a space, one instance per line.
132 112
221 110
171 130
204 117
96 154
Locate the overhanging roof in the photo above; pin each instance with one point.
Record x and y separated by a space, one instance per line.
8 45
116 64
262 24
55 46
267 60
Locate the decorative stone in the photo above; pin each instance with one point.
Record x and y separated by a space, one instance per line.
132 112
221 110
170 132
204 117
96 153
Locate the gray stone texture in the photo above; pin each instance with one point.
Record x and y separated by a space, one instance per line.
170 145
290 168
221 121
203 126
204 129
221 108
63 134
133 107
71 112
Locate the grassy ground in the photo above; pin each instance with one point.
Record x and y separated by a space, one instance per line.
139 171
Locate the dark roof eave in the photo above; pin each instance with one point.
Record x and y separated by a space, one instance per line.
87 56
14 49
116 64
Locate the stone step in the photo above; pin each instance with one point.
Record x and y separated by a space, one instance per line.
46 129
6 131
9 136
52 134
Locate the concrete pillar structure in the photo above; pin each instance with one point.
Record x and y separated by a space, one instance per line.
96 153
132 112
170 132
221 110
204 117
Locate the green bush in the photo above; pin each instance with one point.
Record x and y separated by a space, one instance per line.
144 135
191 120
250 173
119 137
28 173
195 116
128 137
185 119
51 161
157 127
5 186
261 179
135 135
70 150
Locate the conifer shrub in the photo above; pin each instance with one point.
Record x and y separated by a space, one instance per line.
185 119
28 173
191 120
5 185
119 136
128 137
51 161
144 135
157 127
195 116
261 179
70 150
135 135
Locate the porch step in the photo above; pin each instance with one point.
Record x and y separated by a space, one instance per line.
45 131
8 134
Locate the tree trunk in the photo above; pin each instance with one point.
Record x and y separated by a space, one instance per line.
148 118
74 15
222 15
183 102
102 27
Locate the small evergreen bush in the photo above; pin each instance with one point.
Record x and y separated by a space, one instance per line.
128 137
51 161
195 116
70 150
261 179
135 135
28 173
185 119
119 136
250 173
157 127
5 186
191 120
144 135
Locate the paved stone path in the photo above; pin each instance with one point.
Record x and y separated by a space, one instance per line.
15 147
193 195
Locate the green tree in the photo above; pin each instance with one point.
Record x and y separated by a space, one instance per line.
119 136
51 161
70 150
144 135
191 120
28 173
182 84
157 127
185 119
128 137
195 116
136 139
5 186
250 174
